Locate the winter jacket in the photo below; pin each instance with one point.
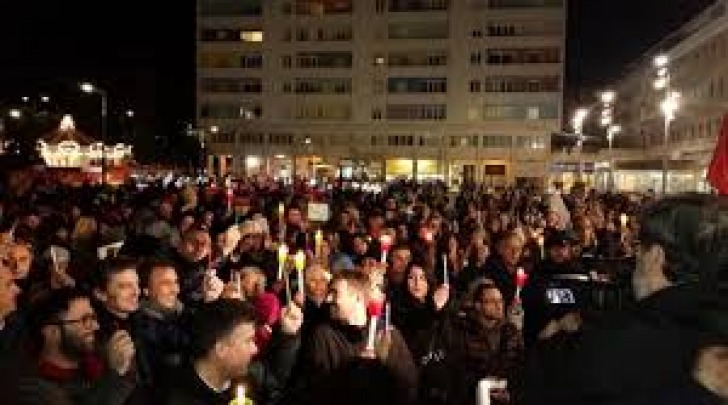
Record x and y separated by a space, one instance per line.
332 358
642 353
162 341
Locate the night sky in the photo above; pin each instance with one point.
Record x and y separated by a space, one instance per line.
142 52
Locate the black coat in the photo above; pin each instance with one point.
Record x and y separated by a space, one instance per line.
331 364
191 276
189 389
438 349
636 354
162 342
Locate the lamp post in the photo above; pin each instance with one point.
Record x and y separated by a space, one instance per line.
607 118
668 106
90 88
577 123
612 130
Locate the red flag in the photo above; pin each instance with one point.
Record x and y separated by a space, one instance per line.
718 169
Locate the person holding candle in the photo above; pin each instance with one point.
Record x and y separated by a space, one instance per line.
424 313
192 259
493 346
223 350
316 309
500 267
335 354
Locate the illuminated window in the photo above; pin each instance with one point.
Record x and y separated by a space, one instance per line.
251 36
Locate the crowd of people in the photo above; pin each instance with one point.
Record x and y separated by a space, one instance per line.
237 291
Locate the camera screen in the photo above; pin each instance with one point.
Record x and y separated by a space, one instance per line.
560 296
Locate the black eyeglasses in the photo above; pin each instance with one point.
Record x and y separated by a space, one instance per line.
86 320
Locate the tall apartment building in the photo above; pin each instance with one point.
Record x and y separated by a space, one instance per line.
697 67
450 89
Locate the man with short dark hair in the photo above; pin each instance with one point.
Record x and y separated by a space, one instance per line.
336 356
191 261
64 326
222 347
117 296
161 336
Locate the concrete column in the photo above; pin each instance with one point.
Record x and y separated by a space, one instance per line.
222 161
210 164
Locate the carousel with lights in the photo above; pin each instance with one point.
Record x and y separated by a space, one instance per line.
69 150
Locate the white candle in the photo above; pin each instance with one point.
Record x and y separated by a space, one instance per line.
445 279
54 259
385 242
540 245
239 396
483 392
282 257
371 336
229 193
318 239
299 261
623 219
387 317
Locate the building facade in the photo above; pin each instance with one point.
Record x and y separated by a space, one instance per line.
375 89
696 67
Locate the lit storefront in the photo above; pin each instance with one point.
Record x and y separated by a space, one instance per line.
643 176
568 174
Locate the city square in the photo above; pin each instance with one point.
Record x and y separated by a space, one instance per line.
365 202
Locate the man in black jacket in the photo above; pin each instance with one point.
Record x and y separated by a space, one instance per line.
335 366
162 337
222 348
658 347
191 259
560 260
117 296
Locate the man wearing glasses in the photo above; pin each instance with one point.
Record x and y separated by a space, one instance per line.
69 369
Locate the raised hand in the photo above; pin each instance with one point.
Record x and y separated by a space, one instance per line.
291 319
441 296
212 286
120 352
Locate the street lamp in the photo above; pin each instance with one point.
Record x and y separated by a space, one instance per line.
668 106
608 98
130 113
612 130
90 88
577 123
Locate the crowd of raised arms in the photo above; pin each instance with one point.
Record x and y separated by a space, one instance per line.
249 291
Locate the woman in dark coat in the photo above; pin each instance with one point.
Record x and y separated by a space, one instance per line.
421 312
